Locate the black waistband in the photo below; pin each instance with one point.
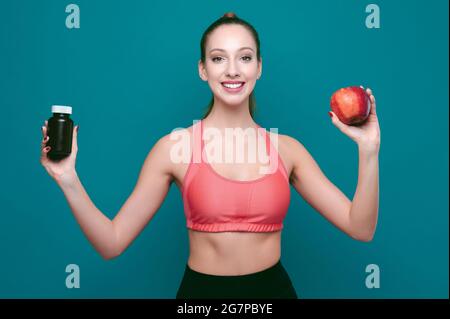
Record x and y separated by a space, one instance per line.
272 269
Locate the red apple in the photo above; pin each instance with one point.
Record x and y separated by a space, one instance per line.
351 105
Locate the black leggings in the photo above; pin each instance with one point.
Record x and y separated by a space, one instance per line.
273 282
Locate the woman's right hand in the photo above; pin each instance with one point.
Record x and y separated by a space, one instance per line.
62 171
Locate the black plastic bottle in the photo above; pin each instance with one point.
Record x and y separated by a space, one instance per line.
60 131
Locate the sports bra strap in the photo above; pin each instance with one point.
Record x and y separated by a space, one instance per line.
198 142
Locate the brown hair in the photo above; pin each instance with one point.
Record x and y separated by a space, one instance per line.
230 18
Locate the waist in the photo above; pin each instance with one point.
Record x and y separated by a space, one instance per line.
233 253
274 268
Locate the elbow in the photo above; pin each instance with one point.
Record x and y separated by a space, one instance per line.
363 237
364 233
113 250
109 255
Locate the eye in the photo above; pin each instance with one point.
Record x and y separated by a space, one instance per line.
216 57
246 58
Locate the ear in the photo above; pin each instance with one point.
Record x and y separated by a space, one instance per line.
202 71
259 68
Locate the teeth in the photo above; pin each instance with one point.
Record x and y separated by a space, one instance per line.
232 86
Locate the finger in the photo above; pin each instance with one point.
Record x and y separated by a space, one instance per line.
44 131
45 124
336 122
369 91
44 152
75 139
44 141
373 103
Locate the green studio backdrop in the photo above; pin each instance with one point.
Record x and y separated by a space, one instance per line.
130 73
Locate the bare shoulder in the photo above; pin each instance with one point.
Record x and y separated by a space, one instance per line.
158 156
290 143
167 142
301 159
288 149
288 146
173 149
171 139
293 152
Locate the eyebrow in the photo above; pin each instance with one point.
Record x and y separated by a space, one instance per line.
243 48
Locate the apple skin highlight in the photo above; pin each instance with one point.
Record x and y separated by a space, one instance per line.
351 105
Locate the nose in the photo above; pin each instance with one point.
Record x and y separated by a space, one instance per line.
232 70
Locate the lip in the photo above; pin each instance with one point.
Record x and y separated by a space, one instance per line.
236 90
232 82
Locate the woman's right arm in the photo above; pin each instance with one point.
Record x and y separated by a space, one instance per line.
111 238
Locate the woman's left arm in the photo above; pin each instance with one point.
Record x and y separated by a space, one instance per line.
357 218
364 207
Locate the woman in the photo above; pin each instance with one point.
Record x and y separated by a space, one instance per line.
234 213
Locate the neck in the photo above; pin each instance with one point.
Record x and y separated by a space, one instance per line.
224 115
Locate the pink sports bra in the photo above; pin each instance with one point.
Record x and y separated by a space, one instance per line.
214 203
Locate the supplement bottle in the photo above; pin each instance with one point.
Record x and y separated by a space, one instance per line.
60 131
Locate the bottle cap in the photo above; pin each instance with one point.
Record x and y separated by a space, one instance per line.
61 109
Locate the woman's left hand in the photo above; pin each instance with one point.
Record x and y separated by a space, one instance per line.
366 135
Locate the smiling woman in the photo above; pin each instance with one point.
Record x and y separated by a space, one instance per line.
234 224
234 214
246 54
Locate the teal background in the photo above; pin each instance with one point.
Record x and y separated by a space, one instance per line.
130 73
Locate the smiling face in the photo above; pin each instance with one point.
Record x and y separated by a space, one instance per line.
231 66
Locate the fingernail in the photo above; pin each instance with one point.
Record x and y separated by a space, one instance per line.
330 114
77 128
